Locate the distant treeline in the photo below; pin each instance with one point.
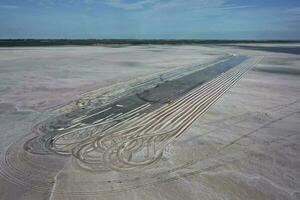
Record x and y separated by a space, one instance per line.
89 42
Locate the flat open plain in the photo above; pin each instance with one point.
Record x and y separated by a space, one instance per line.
150 122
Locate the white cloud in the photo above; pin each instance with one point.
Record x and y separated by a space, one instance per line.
191 3
231 7
293 11
131 5
156 5
160 4
8 7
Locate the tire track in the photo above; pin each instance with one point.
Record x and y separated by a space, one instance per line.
140 142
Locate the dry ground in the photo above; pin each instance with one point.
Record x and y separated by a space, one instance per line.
246 147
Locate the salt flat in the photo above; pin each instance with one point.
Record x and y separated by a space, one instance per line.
35 77
245 147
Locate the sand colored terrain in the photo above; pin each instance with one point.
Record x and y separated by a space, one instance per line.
245 147
44 77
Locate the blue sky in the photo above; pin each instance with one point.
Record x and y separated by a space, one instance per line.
150 19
